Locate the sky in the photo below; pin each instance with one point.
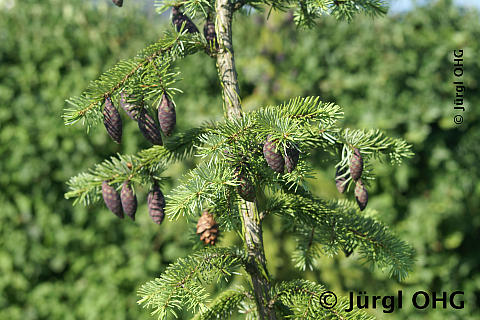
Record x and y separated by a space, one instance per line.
402 5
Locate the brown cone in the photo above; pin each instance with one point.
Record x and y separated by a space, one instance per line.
112 199
210 34
149 128
340 181
356 165
130 109
245 188
129 200
361 194
291 159
156 204
207 228
178 18
118 3
112 121
274 159
166 115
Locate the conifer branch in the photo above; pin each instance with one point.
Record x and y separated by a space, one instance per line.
223 306
306 12
305 300
181 284
139 168
191 7
205 185
339 226
149 69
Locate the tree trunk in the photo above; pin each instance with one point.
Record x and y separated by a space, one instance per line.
252 226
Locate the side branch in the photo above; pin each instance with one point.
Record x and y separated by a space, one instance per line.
172 46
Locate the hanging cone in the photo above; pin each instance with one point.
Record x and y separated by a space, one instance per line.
361 194
130 109
149 128
156 204
356 165
340 181
118 3
291 159
178 18
207 228
274 159
112 199
129 200
210 35
166 115
245 189
112 121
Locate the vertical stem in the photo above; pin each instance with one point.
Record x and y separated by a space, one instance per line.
251 222
225 60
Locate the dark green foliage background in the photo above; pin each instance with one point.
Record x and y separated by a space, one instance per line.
394 73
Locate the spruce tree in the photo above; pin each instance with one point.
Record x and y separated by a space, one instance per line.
253 165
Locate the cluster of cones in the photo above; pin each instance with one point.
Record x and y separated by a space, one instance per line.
179 19
279 161
275 160
126 201
356 169
147 125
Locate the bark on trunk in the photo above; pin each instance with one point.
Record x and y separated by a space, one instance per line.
252 226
